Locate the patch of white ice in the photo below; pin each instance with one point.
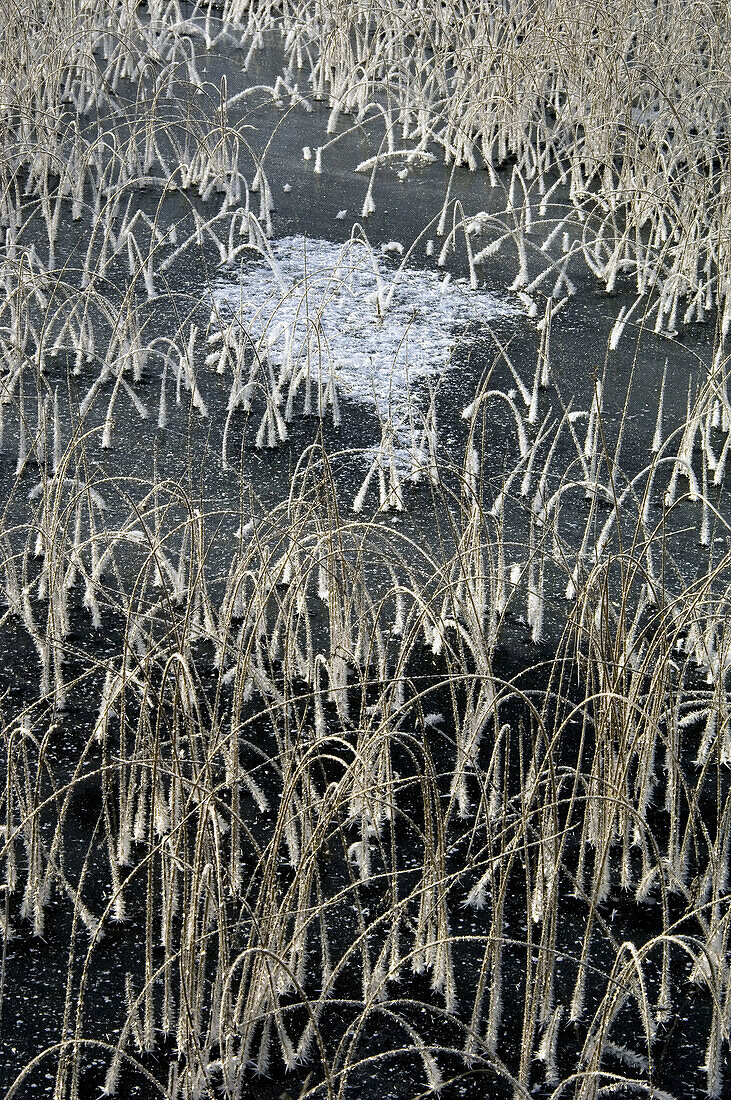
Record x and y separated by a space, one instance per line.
378 331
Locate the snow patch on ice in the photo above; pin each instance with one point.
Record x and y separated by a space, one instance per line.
382 333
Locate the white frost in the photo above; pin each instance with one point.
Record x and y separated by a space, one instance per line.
381 331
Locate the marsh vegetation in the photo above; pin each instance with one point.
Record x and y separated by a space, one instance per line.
364 635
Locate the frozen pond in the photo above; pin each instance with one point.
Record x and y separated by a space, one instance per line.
364 576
